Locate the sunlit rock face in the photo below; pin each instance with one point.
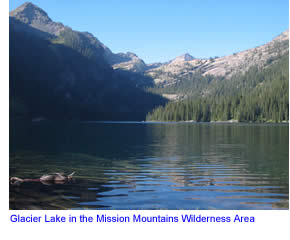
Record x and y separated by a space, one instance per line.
128 61
221 66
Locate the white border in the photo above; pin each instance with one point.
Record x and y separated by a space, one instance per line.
270 224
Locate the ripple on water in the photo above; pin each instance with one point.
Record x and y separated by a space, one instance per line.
157 166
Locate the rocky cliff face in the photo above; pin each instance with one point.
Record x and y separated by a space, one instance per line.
129 61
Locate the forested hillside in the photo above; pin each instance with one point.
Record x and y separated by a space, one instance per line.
259 95
66 75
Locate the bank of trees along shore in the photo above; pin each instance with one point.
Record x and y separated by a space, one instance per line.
256 96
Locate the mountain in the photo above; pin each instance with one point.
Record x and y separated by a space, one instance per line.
131 62
227 66
35 17
249 86
127 61
258 95
32 19
183 58
56 72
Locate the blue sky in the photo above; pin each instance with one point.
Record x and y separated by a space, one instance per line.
159 30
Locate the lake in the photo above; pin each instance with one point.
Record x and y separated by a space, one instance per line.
134 165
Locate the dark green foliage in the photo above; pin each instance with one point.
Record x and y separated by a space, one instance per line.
193 84
68 78
257 96
83 43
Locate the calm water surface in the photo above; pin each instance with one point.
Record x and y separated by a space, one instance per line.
151 166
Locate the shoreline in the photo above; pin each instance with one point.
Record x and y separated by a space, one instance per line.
222 122
232 121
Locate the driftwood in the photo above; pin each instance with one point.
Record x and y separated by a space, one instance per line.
54 178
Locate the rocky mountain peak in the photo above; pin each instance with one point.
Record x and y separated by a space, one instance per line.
187 57
28 13
34 16
183 58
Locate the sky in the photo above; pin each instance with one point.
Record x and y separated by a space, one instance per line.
160 30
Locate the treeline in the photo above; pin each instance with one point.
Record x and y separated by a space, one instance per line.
192 83
256 96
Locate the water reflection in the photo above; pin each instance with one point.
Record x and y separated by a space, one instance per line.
152 166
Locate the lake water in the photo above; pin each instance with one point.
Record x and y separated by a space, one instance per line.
151 165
